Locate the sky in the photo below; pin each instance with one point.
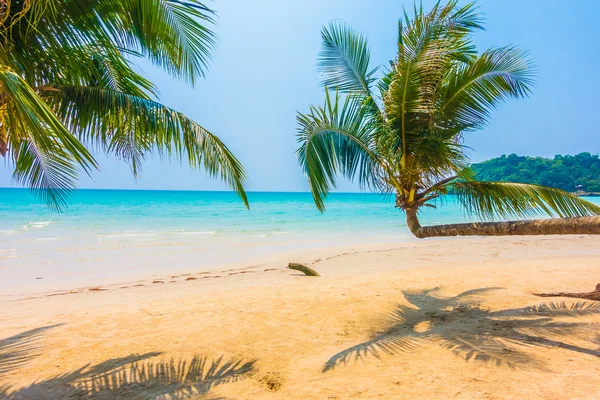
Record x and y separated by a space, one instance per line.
263 72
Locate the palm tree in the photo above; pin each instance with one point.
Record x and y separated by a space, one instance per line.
403 133
68 85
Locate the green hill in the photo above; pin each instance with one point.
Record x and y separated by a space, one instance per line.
579 173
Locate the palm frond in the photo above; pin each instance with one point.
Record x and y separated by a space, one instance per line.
429 46
336 138
130 127
71 56
344 60
489 200
46 155
473 90
170 34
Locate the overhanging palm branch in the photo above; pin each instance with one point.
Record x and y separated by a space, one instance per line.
70 62
45 153
171 33
131 127
168 32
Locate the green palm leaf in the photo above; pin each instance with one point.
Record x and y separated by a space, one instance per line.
476 88
336 138
46 155
344 59
429 46
169 33
72 59
489 200
131 127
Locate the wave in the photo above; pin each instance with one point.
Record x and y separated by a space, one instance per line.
128 235
36 225
47 239
204 233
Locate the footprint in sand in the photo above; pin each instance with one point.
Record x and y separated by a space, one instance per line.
191 278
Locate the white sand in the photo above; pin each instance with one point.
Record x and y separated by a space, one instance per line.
383 321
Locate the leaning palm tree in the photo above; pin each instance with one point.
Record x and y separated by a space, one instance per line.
68 85
403 133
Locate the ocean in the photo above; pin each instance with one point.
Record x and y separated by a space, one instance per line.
121 234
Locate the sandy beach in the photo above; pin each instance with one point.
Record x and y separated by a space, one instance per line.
433 319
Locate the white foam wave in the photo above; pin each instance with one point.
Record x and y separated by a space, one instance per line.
36 225
203 233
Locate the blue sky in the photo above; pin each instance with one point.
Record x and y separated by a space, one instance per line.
264 71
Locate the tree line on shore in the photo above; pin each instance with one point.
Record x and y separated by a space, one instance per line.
572 173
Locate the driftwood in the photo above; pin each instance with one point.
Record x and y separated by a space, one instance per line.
595 295
303 268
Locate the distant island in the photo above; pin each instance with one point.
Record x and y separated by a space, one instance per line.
579 173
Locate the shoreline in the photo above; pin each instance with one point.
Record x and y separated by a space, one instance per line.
272 261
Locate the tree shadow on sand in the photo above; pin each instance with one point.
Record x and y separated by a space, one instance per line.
474 333
136 377
16 351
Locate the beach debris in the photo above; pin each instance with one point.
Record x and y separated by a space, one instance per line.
303 268
595 295
96 289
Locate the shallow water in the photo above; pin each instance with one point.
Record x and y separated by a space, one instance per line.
124 233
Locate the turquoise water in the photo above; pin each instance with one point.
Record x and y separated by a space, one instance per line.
215 215
129 233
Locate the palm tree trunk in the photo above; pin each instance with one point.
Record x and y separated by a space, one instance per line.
553 226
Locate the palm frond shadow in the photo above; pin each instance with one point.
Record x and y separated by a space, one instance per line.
471 332
137 377
16 351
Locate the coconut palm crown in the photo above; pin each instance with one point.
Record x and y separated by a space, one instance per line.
68 86
400 129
